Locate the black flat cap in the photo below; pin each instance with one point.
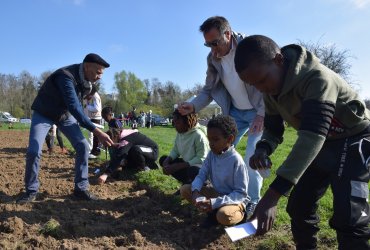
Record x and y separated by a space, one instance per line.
94 58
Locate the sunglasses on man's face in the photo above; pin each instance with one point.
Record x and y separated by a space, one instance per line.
213 43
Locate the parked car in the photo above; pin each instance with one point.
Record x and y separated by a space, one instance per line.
7 117
158 120
25 120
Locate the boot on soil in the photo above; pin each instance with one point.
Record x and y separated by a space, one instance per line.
26 198
84 195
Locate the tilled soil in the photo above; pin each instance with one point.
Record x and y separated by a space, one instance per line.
128 216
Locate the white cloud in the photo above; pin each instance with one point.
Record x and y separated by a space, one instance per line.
74 2
360 4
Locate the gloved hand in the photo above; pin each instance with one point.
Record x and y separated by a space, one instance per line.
260 159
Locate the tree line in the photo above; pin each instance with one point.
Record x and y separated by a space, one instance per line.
17 92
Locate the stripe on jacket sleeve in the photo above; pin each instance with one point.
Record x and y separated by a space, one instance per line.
317 116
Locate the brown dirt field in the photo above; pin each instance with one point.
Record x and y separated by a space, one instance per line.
127 216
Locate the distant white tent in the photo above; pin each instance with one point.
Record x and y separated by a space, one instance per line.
213 104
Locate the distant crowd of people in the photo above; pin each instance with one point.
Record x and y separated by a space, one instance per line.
259 87
134 120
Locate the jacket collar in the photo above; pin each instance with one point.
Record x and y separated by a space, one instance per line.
237 37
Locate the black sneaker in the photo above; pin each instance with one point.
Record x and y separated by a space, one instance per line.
26 198
85 195
249 210
210 221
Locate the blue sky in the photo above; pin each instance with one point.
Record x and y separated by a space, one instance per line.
161 39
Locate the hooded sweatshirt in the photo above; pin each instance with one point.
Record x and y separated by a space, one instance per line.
228 175
192 145
315 101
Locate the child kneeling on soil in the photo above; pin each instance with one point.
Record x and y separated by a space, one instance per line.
225 168
191 144
132 149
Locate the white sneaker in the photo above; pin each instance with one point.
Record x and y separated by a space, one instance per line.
91 156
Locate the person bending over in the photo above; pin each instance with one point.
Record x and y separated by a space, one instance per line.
59 102
131 149
332 147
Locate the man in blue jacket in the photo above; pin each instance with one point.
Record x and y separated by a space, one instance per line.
59 101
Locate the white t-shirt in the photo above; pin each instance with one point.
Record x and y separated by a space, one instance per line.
234 85
94 107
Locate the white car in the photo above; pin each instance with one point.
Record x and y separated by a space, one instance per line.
7 117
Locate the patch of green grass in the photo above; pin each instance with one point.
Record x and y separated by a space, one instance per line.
51 227
15 126
157 180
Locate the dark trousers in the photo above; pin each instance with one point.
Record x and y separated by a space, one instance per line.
95 148
340 166
140 156
185 175
50 139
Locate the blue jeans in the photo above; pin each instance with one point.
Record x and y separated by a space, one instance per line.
244 119
40 126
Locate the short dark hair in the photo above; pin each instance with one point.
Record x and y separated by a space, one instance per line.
224 123
106 111
256 48
191 119
218 22
114 134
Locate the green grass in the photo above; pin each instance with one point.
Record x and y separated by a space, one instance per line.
16 126
51 227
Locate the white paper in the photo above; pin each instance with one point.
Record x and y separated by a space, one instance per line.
241 231
146 149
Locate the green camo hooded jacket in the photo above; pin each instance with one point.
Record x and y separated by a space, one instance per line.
315 101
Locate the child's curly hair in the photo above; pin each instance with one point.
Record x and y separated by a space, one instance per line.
114 134
225 123
190 120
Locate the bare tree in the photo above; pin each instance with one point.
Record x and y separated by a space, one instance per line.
191 92
28 92
3 88
44 75
333 58
156 93
13 93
